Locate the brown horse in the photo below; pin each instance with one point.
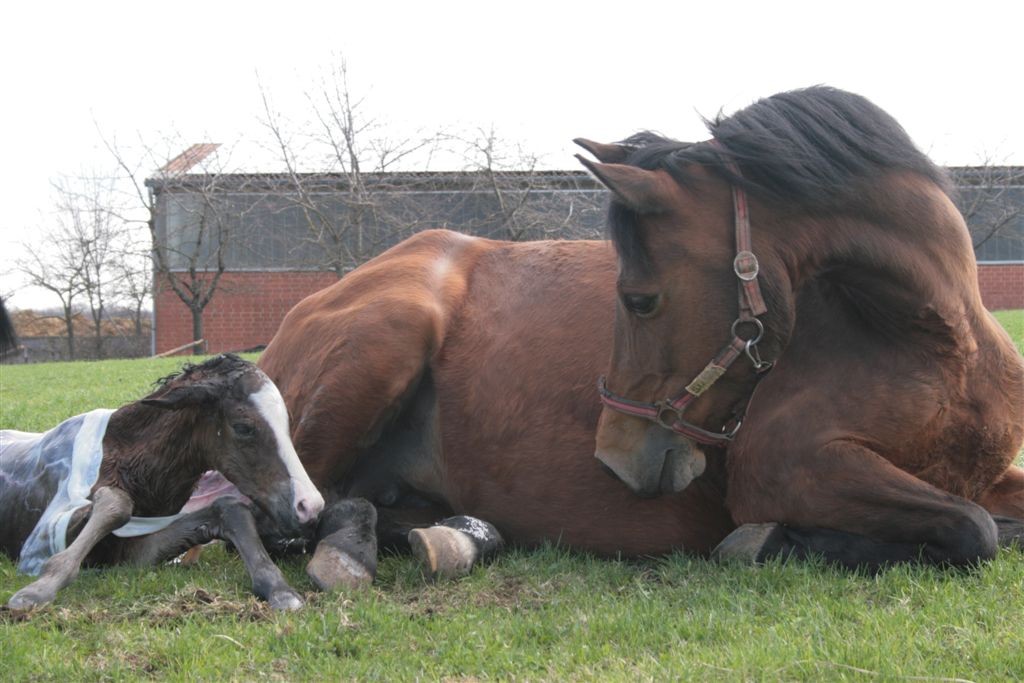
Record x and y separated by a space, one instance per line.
887 427
127 472
458 375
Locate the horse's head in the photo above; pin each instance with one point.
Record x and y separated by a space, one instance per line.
673 390
243 433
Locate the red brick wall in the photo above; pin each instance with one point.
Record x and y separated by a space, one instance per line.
1002 285
245 311
248 307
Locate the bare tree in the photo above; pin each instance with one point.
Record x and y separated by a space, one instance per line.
991 199
134 279
93 234
347 200
55 263
191 209
526 203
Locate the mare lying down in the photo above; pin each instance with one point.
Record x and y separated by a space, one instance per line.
112 485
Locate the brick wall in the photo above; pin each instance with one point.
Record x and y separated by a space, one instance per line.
248 308
245 311
1002 285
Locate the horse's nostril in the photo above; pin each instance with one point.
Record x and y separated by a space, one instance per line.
307 509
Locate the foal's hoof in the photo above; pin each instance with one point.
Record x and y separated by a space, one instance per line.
446 553
332 569
285 601
26 599
749 544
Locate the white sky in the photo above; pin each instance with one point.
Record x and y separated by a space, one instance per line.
539 72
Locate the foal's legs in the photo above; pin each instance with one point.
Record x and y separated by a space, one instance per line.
111 508
228 519
853 507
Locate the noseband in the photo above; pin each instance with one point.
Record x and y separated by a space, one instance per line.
669 412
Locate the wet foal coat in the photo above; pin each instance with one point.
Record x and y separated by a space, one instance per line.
86 478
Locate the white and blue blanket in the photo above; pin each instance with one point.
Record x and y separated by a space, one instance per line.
64 461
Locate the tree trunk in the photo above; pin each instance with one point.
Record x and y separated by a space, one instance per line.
69 323
197 331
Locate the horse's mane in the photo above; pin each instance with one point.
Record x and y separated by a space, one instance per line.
224 364
808 147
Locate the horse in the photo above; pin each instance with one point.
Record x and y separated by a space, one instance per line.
868 407
8 338
106 487
455 375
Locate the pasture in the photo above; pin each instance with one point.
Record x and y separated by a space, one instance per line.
545 614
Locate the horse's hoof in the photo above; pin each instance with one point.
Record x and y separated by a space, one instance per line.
285 601
446 553
26 600
749 544
332 569
1011 532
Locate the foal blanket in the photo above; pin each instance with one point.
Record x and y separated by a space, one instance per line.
60 466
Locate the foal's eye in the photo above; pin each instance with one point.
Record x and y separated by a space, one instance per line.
243 429
640 304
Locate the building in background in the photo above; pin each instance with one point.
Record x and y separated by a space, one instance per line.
270 240
275 239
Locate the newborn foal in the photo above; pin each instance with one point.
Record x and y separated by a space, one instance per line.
129 472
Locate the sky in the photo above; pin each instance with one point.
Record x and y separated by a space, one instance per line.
539 73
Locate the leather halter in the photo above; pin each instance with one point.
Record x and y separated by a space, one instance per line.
669 412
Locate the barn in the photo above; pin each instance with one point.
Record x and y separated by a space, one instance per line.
236 251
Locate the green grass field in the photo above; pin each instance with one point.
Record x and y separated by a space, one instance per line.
547 614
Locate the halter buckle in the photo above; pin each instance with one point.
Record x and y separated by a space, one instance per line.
746 266
666 406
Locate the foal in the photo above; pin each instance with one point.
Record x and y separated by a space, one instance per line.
129 472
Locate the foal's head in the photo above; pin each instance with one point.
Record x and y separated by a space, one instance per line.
240 428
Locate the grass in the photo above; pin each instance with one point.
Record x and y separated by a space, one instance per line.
546 614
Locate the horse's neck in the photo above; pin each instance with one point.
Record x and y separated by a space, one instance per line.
155 455
908 246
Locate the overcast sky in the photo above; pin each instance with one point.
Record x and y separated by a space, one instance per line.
539 72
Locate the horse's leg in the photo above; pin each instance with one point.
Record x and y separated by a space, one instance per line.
228 519
1005 500
111 508
854 508
346 554
453 547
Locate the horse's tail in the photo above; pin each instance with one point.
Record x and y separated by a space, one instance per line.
8 340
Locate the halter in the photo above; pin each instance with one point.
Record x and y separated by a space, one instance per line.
669 412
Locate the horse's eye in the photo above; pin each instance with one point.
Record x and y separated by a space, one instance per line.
243 429
640 304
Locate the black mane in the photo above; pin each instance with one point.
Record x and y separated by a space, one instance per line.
807 146
224 364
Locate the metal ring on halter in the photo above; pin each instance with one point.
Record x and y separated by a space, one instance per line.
754 321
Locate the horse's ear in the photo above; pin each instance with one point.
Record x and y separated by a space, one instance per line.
639 189
179 397
614 153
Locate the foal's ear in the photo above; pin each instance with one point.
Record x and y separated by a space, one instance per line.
614 153
183 396
641 190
